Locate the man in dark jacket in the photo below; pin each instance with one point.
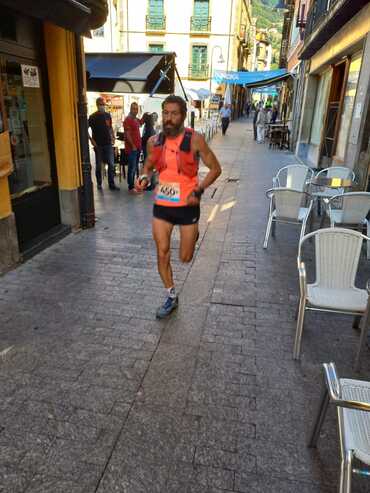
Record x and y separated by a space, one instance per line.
103 140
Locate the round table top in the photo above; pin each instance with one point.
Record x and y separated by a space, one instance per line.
325 181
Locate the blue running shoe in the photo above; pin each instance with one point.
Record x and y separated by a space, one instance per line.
167 308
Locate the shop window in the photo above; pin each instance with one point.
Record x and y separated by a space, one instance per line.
24 107
347 108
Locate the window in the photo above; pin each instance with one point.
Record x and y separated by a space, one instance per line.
320 106
8 26
200 20
155 17
98 33
156 48
348 102
199 59
27 127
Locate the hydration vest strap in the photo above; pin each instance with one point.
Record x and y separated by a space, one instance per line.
185 145
160 140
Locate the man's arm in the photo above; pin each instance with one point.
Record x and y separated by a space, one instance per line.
113 137
88 131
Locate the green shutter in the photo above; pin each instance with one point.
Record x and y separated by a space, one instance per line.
199 58
156 8
201 9
155 18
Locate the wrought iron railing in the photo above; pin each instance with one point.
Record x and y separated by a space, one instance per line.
199 72
155 22
200 24
317 14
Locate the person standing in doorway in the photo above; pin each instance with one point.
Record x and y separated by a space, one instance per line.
132 138
225 113
102 139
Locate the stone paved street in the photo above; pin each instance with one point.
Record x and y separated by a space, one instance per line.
98 396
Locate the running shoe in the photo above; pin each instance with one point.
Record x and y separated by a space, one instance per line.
167 308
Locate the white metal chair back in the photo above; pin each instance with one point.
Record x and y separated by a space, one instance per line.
354 207
288 203
293 176
337 254
337 172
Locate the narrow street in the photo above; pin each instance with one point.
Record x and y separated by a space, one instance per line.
98 396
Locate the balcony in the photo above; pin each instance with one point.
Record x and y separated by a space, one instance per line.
324 19
155 23
198 72
200 25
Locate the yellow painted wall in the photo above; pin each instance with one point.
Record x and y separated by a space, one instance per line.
5 204
60 54
351 34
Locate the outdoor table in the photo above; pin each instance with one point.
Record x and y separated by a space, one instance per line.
329 182
278 133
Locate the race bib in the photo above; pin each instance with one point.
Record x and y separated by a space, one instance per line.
169 192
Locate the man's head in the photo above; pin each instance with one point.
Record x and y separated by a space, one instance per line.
134 109
173 115
100 104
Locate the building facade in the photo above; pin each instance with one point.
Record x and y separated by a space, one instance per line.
41 138
262 51
334 125
204 36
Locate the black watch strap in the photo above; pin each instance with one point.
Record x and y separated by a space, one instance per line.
198 193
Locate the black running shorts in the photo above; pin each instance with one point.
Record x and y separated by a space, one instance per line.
177 215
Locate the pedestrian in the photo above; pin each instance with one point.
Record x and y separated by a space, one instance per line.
257 109
175 153
225 113
103 140
148 131
131 126
248 108
261 122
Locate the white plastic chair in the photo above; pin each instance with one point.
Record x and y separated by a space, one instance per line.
337 254
293 176
286 207
333 172
352 399
355 206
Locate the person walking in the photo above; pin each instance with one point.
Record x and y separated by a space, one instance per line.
261 122
225 113
257 109
133 144
148 131
175 153
103 140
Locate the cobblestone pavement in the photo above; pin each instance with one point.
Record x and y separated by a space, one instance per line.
97 396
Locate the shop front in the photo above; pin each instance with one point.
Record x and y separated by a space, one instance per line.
25 114
45 177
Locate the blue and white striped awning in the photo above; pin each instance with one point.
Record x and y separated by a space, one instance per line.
251 79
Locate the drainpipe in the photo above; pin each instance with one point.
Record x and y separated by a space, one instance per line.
87 210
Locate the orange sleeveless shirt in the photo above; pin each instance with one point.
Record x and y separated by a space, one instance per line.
174 188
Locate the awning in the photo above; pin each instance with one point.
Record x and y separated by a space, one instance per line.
198 94
251 79
130 72
75 15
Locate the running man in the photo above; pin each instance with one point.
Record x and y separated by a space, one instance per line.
175 153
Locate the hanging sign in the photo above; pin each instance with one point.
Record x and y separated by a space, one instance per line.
30 76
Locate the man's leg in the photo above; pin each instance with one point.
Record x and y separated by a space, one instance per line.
98 164
188 239
109 159
162 235
162 231
132 163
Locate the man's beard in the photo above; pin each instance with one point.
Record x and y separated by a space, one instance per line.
171 130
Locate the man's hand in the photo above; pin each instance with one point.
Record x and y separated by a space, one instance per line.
192 200
93 143
141 183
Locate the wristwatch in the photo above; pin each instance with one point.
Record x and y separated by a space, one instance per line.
198 193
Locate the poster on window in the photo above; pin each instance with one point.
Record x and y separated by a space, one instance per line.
30 76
